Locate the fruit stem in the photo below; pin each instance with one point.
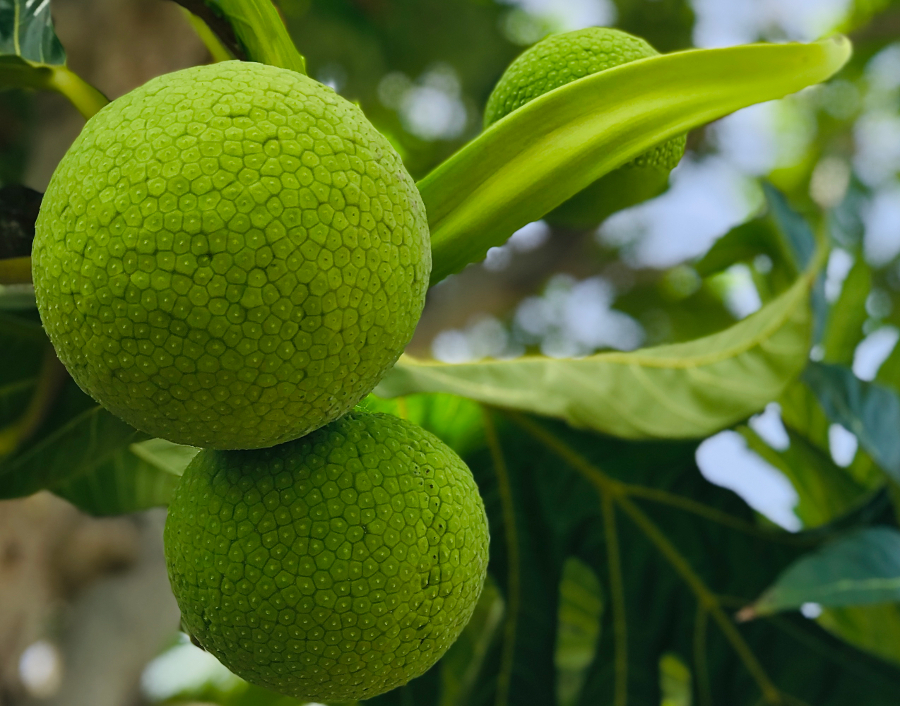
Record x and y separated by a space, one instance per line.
86 99
15 270
216 48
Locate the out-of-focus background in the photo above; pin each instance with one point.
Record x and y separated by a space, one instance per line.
86 616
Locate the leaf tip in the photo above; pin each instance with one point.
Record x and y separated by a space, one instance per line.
838 49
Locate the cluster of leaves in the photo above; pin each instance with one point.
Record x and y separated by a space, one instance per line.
617 571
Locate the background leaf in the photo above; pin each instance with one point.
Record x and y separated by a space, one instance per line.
860 568
677 391
869 410
550 149
75 436
142 476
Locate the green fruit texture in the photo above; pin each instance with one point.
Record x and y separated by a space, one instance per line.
335 567
230 256
561 59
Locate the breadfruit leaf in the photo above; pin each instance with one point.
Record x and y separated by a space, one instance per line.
683 390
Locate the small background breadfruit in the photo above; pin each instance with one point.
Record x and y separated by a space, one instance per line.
561 59
230 256
335 567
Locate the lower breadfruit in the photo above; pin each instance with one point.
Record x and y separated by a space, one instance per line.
335 567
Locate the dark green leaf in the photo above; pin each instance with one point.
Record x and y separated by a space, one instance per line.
553 147
26 30
141 476
741 244
543 508
869 410
79 438
800 243
860 568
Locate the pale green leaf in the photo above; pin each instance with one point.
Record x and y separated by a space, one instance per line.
685 390
859 569
553 147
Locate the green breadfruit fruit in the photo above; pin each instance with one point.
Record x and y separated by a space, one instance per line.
335 567
561 59
230 256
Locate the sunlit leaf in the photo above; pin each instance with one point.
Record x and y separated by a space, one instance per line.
676 391
553 147
860 568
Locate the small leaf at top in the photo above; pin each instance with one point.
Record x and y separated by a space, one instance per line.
860 568
26 31
556 145
684 390
31 55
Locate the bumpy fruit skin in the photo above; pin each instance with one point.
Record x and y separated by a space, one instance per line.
561 59
230 256
335 567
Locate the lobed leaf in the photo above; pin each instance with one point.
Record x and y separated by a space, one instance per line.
684 390
540 486
553 147
860 568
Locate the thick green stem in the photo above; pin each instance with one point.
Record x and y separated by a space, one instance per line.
86 99
213 44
